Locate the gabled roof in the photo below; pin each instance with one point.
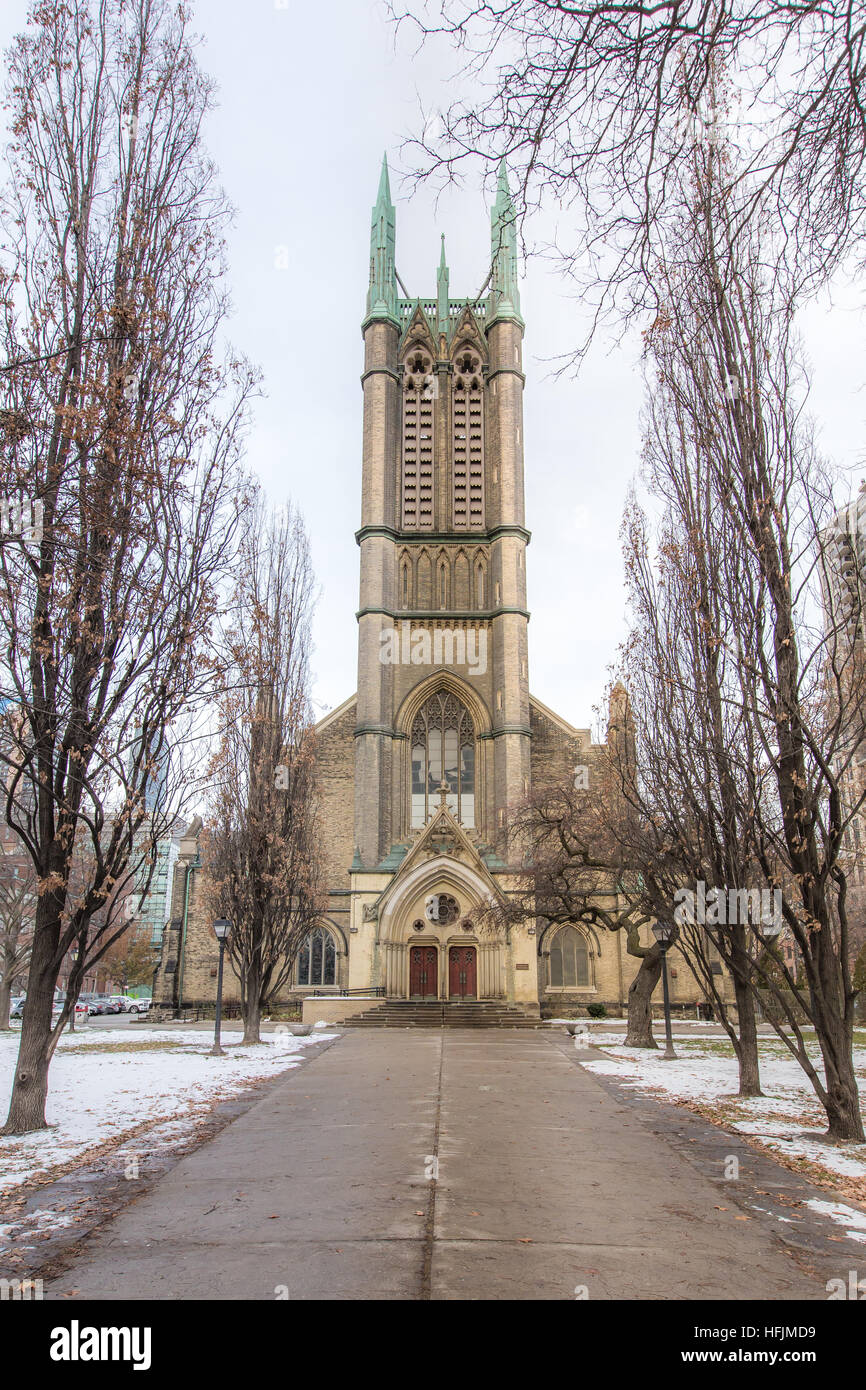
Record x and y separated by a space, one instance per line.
443 836
334 714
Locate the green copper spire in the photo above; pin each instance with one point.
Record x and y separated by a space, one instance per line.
382 294
442 292
504 302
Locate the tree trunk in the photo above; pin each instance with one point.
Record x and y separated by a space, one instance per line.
834 1025
640 1032
5 1002
252 1018
843 1104
30 1084
747 1025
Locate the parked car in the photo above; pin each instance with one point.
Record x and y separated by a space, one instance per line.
123 1002
101 1004
17 1007
129 1004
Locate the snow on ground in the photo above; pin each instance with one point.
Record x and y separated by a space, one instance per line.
107 1082
843 1216
787 1119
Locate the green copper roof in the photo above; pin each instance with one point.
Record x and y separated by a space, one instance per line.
395 856
442 301
504 299
382 294
442 312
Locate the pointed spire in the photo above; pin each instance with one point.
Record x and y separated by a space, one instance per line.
442 306
382 293
384 183
504 299
503 192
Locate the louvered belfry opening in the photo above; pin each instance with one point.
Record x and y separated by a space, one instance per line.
468 442
418 402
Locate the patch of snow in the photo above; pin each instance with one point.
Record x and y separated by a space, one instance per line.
777 1119
843 1216
96 1095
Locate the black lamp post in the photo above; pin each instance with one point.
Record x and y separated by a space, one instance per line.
663 933
221 927
73 956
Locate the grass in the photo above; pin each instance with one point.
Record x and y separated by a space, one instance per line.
137 1045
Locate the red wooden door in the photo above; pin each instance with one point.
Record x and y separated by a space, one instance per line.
423 969
462 978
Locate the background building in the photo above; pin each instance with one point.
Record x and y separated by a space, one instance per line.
844 593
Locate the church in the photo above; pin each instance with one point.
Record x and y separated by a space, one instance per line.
420 768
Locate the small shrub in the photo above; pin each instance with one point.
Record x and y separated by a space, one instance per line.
596 1010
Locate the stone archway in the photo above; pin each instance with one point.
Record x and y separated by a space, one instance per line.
403 924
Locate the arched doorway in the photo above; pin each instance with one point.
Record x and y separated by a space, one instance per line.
425 908
423 972
462 973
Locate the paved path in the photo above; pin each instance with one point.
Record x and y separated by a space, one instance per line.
546 1183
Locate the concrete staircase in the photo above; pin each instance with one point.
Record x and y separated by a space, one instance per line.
442 1013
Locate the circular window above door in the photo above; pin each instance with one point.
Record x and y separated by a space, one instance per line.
442 908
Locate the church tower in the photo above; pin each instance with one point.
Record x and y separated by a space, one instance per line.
442 714
419 770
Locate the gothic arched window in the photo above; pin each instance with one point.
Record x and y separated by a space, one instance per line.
569 960
443 750
418 393
317 959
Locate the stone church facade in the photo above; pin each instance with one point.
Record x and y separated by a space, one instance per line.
420 768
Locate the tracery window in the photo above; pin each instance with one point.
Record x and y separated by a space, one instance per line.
443 750
569 960
417 498
468 442
317 959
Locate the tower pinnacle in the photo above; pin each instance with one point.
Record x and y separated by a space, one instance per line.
504 292
382 293
442 292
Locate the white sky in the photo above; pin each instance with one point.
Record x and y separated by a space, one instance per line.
311 95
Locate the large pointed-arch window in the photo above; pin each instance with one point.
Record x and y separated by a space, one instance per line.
569 960
418 393
317 959
443 751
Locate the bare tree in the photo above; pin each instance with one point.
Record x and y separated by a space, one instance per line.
120 422
17 909
595 105
572 846
747 704
261 853
598 104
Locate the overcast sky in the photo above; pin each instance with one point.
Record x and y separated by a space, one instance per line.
311 96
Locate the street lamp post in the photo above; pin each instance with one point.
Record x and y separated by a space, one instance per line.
221 927
73 956
663 933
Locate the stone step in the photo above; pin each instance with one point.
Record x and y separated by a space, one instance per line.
442 1013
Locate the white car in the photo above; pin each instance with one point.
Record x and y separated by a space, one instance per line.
135 1006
